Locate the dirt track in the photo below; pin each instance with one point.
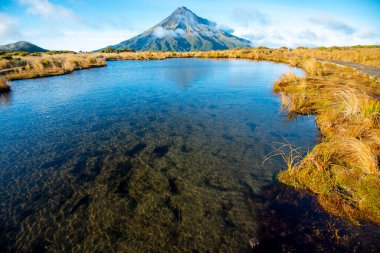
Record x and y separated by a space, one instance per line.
373 71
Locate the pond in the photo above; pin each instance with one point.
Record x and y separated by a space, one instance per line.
144 156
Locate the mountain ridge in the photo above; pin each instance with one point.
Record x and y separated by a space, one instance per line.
23 46
183 30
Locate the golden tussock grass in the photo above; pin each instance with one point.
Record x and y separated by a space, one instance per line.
367 55
4 64
343 170
48 65
54 64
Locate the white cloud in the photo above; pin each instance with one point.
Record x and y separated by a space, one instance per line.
331 23
49 10
180 32
252 36
79 40
293 37
307 35
368 34
274 37
225 28
303 30
63 29
8 27
250 16
160 32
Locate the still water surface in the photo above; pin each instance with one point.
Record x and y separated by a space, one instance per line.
143 156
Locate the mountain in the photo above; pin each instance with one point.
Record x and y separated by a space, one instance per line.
184 31
22 46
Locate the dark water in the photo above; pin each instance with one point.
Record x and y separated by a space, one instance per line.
152 156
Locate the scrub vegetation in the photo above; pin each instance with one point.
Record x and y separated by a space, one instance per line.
46 64
22 65
367 55
343 169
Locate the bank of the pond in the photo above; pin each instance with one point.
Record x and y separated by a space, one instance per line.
4 85
343 169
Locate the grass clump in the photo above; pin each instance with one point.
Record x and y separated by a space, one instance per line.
343 170
313 67
371 108
294 102
45 63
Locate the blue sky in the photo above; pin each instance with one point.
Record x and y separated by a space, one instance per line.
89 25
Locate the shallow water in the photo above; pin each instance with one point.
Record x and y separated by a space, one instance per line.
140 156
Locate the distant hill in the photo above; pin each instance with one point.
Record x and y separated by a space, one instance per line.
184 31
22 46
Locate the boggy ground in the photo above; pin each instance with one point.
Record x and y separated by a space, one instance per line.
21 65
343 170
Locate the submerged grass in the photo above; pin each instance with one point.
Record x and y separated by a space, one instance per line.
289 154
343 170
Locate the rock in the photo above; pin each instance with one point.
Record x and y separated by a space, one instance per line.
254 242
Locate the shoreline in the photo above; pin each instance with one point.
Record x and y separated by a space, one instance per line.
44 75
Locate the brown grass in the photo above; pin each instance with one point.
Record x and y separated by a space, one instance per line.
48 65
366 56
343 170
55 64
